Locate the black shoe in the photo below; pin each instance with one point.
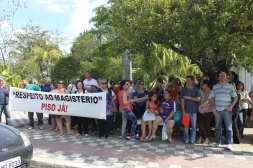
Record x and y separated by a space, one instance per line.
186 142
112 132
192 142
251 140
38 124
49 123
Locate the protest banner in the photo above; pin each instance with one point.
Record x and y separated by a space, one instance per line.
92 105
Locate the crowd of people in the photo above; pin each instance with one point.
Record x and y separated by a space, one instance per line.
225 105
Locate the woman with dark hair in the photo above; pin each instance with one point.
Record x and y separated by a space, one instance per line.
149 115
82 122
125 108
159 88
235 112
205 114
106 125
233 77
244 104
167 109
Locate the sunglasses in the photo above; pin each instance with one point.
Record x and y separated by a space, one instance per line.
141 84
104 83
60 82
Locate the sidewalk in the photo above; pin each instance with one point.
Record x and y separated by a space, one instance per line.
20 118
70 151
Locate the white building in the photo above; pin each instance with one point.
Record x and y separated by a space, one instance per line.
244 77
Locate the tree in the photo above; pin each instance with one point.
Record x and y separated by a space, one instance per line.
34 48
10 78
84 46
208 32
164 62
65 69
7 29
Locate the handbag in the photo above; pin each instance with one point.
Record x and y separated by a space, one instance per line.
131 107
148 116
186 120
178 116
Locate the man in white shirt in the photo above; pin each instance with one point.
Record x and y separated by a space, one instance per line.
88 81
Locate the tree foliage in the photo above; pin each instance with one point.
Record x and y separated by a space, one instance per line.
10 78
35 52
209 32
65 69
163 62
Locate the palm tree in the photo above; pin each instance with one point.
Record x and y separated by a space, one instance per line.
164 62
48 57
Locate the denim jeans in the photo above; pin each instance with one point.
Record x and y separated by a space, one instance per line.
127 113
31 120
241 120
193 120
227 117
7 114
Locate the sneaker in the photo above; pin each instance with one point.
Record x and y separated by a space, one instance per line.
124 138
37 124
86 135
186 142
41 127
134 139
229 147
77 134
30 128
192 142
214 144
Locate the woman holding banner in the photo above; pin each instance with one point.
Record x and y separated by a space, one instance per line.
82 122
62 90
105 125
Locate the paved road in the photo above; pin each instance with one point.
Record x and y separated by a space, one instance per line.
75 151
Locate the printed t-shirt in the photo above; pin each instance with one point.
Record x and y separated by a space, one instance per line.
140 95
168 107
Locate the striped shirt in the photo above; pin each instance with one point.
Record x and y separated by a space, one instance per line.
223 96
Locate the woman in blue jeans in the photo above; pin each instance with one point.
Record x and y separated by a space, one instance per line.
244 104
126 110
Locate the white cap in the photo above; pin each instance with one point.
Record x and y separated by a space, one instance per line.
94 84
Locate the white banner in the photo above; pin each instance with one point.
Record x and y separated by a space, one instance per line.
92 105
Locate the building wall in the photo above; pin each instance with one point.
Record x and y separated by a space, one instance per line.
245 77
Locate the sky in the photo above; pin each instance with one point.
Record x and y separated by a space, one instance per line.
70 17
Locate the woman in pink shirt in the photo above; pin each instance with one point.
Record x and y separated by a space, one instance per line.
125 108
